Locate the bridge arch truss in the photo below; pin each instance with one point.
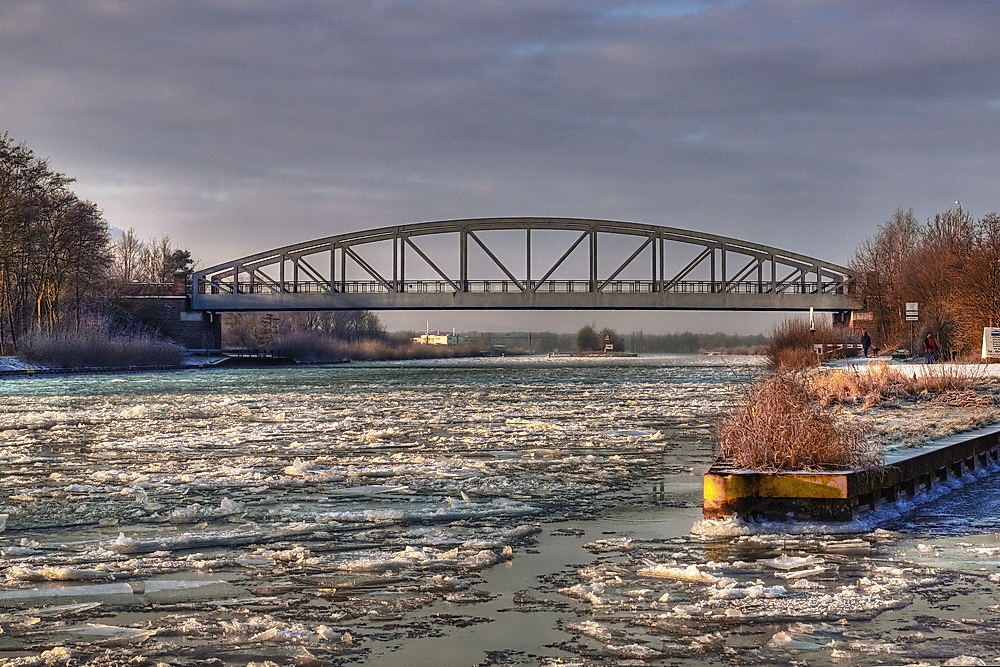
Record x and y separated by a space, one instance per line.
524 263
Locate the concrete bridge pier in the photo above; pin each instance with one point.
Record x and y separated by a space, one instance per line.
167 309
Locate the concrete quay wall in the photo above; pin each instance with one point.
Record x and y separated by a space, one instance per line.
841 495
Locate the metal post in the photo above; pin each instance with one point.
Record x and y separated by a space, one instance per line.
593 259
463 259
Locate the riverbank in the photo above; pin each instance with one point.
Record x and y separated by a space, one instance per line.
14 367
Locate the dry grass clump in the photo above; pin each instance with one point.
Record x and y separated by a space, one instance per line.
870 387
780 425
945 378
790 346
94 350
792 358
880 381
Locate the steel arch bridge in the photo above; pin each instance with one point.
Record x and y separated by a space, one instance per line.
524 263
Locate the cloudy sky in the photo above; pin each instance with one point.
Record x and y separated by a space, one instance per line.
234 126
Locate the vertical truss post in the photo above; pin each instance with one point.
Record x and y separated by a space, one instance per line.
593 259
652 270
527 259
395 262
725 275
712 268
463 259
663 260
333 268
343 269
402 262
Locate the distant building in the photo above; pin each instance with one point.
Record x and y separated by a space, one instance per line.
435 339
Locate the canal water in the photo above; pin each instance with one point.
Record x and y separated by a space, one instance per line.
514 511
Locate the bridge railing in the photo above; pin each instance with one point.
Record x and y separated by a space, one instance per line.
513 287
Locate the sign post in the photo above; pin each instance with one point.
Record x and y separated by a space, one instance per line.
991 342
912 308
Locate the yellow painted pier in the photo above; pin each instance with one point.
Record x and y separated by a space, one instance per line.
841 495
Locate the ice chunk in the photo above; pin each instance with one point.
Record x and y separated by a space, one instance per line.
229 507
730 526
616 544
689 573
754 591
801 574
791 562
592 629
57 656
795 642
53 573
636 651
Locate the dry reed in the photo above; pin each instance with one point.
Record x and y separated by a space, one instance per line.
880 381
97 350
779 425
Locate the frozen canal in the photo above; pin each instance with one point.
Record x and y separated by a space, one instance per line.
519 511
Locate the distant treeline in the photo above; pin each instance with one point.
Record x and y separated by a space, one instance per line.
637 341
687 341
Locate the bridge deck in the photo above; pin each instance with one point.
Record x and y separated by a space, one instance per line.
499 295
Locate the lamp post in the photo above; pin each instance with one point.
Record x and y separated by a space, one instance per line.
812 334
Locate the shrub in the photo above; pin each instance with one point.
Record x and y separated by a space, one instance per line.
779 425
76 350
790 346
311 347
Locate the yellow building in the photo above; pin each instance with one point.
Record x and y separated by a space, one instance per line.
435 339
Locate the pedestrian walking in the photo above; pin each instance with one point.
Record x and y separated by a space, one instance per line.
866 341
931 348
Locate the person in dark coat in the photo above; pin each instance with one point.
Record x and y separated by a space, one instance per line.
931 348
866 341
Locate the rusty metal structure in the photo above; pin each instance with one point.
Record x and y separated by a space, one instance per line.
524 263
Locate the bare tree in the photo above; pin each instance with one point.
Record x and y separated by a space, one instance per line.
950 266
48 239
127 253
883 262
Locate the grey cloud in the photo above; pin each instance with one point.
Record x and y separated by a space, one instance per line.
232 125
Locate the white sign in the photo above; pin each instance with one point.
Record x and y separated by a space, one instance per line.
911 311
991 342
